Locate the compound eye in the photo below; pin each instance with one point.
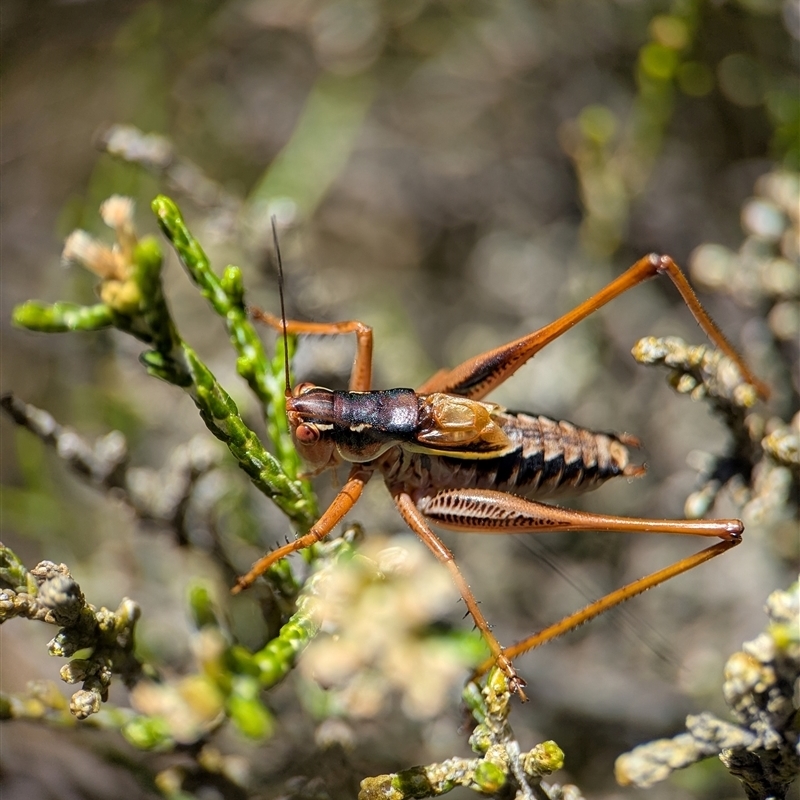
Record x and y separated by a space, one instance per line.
303 388
306 433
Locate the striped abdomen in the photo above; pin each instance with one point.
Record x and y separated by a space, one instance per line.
549 457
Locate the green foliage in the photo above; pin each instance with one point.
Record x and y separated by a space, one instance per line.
144 313
226 296
60 317
134 303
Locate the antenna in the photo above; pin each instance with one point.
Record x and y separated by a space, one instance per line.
283 309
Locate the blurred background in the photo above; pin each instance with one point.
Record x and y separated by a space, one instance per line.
454 174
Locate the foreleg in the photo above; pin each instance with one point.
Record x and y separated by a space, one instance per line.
342 503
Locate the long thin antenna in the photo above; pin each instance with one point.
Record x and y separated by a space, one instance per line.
283 309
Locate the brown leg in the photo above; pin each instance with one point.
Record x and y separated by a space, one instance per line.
478 376
609 601
342 503
417 523
361 375
487 511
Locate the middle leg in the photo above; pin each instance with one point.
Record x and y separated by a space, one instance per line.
416 521
361 375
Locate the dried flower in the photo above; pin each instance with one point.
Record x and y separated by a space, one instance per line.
114 265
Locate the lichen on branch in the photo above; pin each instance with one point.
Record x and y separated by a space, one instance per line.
49 593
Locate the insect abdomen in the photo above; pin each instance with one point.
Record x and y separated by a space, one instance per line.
549 457
556 456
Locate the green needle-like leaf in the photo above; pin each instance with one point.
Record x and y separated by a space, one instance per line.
226 296
61 317
221 415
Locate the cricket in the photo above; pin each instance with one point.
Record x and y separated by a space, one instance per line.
451 459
